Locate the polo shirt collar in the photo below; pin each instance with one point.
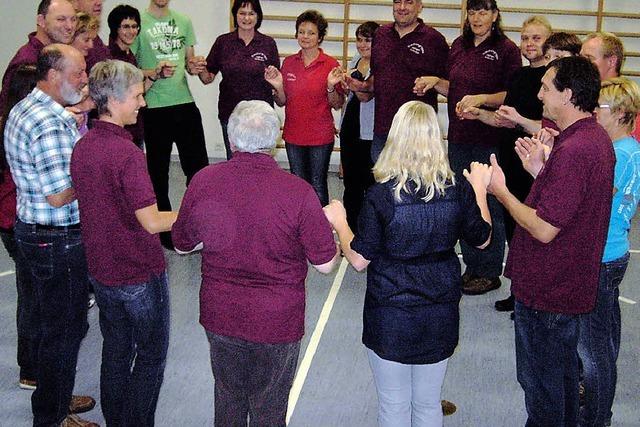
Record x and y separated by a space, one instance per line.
257 36
568 132
255 159
57 109
35 42
114 129
319 60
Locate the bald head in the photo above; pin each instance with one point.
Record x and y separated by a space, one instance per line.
61 73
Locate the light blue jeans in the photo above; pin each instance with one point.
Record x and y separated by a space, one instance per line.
408 395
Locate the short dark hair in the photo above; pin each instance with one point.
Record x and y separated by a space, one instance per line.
50 58
367 29
21 84
238 4
119 14
497 32
563 41
43 7
316 18
582 77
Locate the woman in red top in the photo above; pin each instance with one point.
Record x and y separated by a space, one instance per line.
309 85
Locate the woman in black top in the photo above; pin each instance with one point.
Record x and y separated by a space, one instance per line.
409 224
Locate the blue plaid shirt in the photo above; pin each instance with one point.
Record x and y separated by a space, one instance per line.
39 138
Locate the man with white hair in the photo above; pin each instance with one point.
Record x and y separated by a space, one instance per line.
258 226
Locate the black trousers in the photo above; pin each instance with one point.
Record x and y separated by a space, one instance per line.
356 166
163 126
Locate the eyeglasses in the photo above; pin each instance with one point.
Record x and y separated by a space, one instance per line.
129 27
604 106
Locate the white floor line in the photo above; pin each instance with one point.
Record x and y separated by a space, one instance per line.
7 273
303 369
627 300
634 251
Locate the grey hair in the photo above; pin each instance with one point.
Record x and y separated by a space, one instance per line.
112 79
253 127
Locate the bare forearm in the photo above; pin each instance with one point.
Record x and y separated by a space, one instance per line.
442 87
494 100
63 198
346 237
336 99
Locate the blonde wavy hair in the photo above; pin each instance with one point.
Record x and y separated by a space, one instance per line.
415 153
86 23
623 96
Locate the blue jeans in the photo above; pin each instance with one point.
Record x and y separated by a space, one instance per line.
251 379
480 262
377 144
58 267
134 321
311 163
547 366
599 344
408 395
26 310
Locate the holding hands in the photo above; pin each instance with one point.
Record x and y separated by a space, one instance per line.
335 213
336 77
507 117
197 65
273 76
165 69
423 84
468 102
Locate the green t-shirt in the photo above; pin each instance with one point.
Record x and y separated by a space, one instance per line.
165 39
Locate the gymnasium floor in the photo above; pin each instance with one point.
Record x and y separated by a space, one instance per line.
333 386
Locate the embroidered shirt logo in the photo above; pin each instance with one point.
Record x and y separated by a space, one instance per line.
291 77
259 56
416 48
491 55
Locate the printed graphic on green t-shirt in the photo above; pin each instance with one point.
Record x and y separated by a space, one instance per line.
165 39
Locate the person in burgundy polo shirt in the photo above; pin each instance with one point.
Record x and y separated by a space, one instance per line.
256 239
118 205
402 52
124 25
241 58
481 63
99 51
310 85
554 278
56 23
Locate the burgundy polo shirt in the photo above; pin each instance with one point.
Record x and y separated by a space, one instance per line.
486 68
99 52
308 119
242 67
27 54
259 226
111 182
137 129
573 193
397 62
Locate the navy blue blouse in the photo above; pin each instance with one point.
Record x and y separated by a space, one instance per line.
414 280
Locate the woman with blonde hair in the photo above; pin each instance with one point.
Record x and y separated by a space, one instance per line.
409 224
599 339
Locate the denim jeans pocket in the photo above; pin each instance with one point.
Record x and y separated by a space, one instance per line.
556 320
39 258
614 271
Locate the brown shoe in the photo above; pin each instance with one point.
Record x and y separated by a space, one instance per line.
80 404
448 408
76 421
480 285
467 276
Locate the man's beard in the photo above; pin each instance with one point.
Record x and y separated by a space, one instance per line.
69 94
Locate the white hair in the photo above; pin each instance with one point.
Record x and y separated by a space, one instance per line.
253 126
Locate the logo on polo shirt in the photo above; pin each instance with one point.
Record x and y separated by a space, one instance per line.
416 48
490 54
291 77
259 56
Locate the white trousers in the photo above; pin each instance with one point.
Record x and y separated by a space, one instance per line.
408 395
